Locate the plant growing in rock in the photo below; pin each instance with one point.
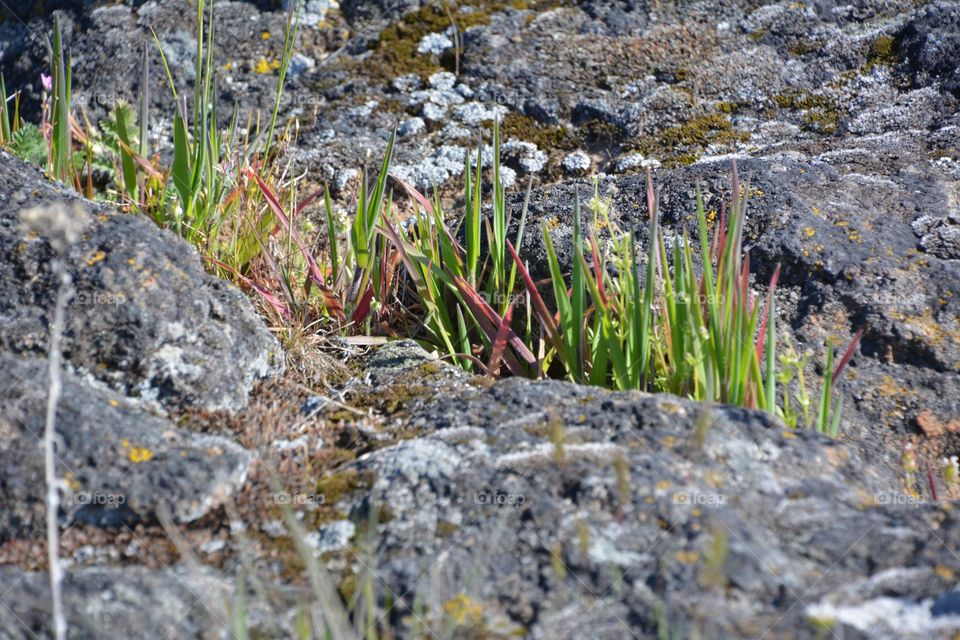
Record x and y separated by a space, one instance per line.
351 278
467 304
660 326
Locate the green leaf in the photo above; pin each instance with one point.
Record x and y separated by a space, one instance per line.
28 144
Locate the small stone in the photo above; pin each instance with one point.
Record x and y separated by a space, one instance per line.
442 81
576 162
434 112
407 83
334 536
434 44
299 65
411 126
631 161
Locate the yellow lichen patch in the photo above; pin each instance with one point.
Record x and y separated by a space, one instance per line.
265 35
789 435
713 478
71 481
136 454
663 485
809 232
463 610
687 557
95 257
114 402
944 572
671 408
888 388
930 330
262 66
837 457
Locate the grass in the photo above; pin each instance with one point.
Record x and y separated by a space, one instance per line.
642 313
679 316
663 326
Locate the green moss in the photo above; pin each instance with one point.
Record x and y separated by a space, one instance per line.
546 137
884 50
335 486
821 121
395 51
713 128
727 107
801 100
804 46
598 132
757 35
821 114
685 143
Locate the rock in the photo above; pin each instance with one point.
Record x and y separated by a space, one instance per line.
411 127
146 320
930 42
576 162
114 602
434 43
648 507
368 10
121 463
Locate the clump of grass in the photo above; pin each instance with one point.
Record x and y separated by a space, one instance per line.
466 302
679 317
666 325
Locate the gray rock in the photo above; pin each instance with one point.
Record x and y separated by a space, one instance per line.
930 42
411 127
649 507
434 43
121 463
146 320
576 162
138 603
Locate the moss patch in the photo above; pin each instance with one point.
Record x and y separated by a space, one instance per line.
335 486
683 144
885 51
546 137
394 53
822 114
599 133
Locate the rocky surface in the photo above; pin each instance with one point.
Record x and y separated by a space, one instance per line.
121 463
489 510
569 511
146 320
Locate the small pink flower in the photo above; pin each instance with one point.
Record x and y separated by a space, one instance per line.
46 81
